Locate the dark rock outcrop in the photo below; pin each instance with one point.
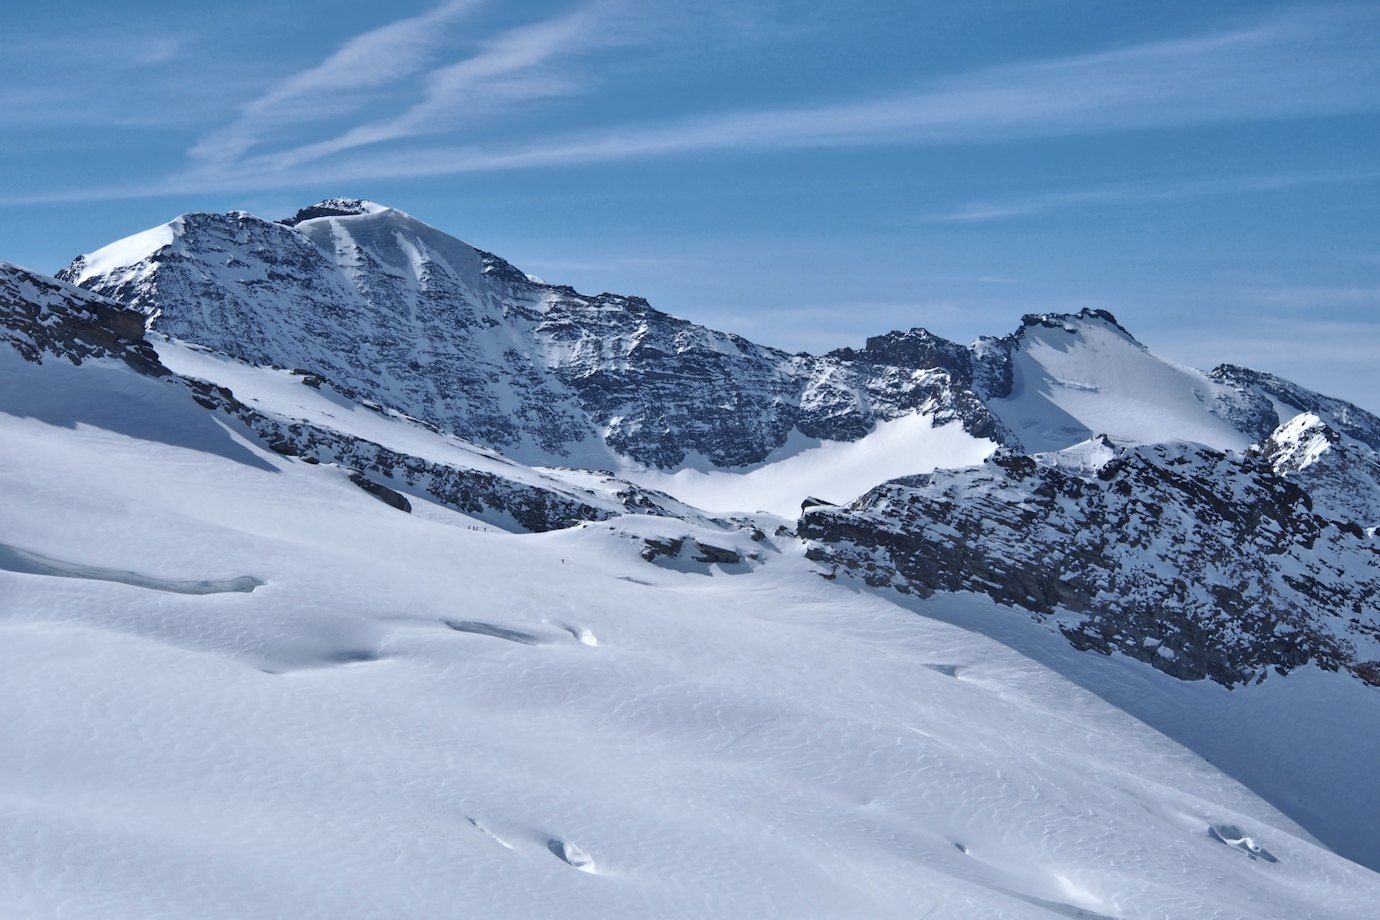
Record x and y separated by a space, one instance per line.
705 552
41 315
1202 563
532 506
390 497
658 547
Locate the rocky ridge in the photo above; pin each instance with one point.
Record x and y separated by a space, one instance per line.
415 319
1200 562
42 317
1340 475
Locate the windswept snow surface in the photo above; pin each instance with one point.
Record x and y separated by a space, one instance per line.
675 740
1322 729
1085 376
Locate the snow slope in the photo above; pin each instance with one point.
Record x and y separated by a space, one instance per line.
833 470
407 717
1074 377
420 451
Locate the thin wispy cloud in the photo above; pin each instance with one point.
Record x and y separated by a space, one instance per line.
509 68
1333 357
92 78
375 58
1322 297
1300 64
112 49
1143 193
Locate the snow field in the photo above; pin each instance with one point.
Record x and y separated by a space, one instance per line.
1069 386
676 741
837 471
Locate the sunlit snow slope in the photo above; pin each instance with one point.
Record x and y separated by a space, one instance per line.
835 470
1074 377
365 713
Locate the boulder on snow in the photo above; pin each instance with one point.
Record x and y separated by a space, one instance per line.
653 547
382 493
704 552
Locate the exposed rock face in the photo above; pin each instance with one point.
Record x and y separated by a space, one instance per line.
706 552
333 207
1203 563
417 320
960 374
1352 421
384 494
1341 475
672 547
549 504
41 315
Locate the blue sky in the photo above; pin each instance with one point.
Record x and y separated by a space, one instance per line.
800 173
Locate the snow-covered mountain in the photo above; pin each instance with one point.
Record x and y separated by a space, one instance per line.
238 685
300 415
397 313
319 463
415 319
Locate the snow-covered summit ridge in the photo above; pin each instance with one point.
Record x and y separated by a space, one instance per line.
122 256
336 207
1072 323
1072 377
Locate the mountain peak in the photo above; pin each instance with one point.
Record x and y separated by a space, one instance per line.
1069 321
336 207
